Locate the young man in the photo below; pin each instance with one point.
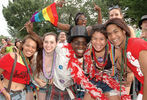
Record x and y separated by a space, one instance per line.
133 51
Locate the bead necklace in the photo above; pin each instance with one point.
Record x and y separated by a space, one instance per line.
25 62
53 66
123 61
101 66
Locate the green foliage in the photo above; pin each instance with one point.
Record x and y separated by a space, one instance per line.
2 37
20 11
17 13
136 9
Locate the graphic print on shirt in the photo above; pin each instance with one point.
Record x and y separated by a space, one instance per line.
135 63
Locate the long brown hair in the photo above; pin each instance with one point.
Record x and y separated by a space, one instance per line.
39 64
120 23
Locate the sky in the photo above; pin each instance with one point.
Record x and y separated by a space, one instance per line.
3 23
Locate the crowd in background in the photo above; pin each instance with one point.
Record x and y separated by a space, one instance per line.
95 62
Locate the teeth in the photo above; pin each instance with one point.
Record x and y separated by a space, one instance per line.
80 51
29 52
115 40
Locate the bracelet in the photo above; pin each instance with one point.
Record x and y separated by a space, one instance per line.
2 90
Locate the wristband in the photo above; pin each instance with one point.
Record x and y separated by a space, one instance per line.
2 90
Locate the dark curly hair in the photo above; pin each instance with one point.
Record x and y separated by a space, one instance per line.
98 28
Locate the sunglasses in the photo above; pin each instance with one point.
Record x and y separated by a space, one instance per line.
83 19
114 7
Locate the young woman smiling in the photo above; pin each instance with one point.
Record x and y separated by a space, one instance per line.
44 63
22 73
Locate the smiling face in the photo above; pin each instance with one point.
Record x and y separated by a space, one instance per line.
49 43
116 35
79 45
29 47
115 13
98 41
82 20
62 36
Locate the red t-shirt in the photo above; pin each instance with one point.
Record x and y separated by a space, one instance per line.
20 75
135 45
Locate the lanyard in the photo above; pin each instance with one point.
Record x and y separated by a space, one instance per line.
26 66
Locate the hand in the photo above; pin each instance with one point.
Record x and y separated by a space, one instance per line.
60 3
29 26
96 7
40 82
50 81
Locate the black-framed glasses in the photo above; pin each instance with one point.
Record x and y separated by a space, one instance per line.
114 7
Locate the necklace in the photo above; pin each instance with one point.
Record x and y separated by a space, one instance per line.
100 59
105 58
25 62
123 61
53 66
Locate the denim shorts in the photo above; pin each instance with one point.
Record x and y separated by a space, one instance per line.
21 95
102 85
80 91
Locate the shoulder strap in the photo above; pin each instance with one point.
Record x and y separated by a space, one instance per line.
12 71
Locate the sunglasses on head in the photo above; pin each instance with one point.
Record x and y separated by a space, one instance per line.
113 7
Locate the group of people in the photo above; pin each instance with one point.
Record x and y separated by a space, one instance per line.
7 46
97 62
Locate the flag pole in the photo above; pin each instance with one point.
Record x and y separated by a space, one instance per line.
21 28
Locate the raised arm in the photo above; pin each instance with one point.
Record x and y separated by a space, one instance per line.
98 9
29 28
143 65
60 25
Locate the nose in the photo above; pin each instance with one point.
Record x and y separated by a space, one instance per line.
112 36
48 44
98 41
85 21
30 48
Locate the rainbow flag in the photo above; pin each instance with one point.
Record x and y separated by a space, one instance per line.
49 14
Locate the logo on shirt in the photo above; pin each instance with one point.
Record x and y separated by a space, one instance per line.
135 63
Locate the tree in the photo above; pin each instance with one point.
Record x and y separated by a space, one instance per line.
17 13
135 9
2 37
